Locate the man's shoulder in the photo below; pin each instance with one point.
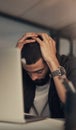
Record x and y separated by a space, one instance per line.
67 59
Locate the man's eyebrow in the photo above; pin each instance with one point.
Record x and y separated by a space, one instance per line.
39 70
35 71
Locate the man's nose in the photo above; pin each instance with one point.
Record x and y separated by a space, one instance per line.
34 77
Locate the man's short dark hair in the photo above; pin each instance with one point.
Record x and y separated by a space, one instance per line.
31 52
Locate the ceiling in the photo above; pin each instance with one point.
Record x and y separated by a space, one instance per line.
56 14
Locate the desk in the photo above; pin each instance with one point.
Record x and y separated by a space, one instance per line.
46 124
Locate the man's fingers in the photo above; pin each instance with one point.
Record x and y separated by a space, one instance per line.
26 36
29 41
21 44
38 40
44 37
26 41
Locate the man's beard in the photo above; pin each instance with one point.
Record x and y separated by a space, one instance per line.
43 81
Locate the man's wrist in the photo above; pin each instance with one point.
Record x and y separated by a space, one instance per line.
60 71
53 64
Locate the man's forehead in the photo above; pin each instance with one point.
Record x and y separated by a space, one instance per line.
34 67
38 63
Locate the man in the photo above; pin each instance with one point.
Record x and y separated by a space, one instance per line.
44 93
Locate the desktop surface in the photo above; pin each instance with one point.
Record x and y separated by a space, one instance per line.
46 124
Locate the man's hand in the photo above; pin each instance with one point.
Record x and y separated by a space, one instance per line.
48 50
47 45
26 38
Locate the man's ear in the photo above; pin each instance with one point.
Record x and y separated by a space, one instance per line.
23 61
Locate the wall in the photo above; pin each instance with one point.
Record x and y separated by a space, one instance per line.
11 31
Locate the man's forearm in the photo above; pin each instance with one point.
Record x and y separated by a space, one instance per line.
61 90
